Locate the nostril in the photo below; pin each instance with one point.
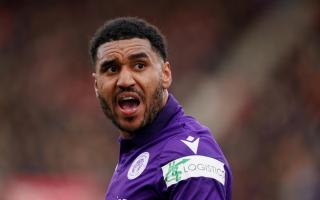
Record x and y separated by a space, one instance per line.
125 85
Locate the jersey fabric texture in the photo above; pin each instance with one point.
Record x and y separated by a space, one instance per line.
174 157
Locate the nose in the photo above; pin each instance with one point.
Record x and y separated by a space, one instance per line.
125 78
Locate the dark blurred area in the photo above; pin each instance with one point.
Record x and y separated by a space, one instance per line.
254 65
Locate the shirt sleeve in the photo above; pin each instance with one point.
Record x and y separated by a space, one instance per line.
199 188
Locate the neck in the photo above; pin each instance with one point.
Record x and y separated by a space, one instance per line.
126 135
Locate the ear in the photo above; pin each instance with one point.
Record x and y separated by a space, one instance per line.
166 75
95 84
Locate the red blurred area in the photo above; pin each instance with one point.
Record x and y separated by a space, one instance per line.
51 187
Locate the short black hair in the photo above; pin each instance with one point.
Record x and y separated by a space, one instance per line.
127 28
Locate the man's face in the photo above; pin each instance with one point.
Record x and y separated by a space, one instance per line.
131 81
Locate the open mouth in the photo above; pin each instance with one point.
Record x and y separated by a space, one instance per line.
128 103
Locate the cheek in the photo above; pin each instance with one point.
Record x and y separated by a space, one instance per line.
105 89
151 85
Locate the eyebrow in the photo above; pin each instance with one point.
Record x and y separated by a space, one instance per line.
114 61
107 63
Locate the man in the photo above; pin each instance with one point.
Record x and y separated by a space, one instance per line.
164 154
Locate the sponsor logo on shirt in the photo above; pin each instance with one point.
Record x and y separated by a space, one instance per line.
138 165
192 143
193 166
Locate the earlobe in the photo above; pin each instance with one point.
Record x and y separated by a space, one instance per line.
96 91
166 75
95 85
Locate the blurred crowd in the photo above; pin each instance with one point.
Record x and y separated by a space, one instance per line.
51 123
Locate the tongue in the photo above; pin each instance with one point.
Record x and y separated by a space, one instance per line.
128 107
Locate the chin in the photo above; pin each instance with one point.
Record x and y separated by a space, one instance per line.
132 127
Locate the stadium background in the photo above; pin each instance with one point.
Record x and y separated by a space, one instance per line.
248 69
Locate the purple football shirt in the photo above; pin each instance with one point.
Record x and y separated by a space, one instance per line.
174 157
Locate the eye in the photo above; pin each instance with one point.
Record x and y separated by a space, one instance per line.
139 66
109 67
112 69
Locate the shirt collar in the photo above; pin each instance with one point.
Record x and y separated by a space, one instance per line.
152 130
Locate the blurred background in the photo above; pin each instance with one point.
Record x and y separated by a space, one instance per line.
250 70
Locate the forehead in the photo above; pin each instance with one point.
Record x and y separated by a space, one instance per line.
124 48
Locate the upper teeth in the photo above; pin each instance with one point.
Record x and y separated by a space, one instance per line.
127 98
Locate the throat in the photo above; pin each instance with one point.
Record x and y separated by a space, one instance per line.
126 135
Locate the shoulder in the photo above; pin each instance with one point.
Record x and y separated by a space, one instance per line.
193 152
192 138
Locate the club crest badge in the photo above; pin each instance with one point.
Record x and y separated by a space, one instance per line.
138 165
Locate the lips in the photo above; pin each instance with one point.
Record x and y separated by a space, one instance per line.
128 103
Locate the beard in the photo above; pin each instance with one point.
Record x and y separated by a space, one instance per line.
150 113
